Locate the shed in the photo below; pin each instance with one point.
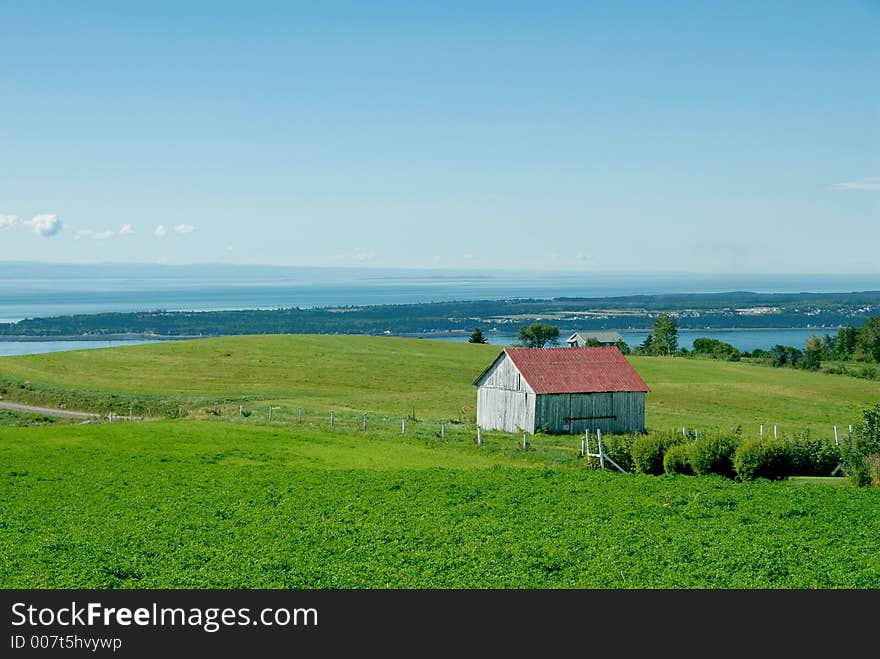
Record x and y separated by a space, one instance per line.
605 338
561 390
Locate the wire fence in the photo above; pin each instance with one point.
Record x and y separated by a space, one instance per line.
561 448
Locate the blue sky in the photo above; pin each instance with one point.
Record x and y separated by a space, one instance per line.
598 136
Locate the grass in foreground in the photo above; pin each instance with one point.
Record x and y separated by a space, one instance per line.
199 504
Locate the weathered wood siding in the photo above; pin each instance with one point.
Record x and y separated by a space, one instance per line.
501 409
504 400
611 412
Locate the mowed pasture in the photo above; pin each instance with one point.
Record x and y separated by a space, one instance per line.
213 504
428 379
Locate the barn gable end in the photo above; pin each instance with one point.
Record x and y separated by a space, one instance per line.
505 400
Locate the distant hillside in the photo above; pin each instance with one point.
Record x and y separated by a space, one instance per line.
741 310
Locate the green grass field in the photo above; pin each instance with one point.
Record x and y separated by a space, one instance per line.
239 502
204 504
396 377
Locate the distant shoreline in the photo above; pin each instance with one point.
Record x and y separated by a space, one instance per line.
409 335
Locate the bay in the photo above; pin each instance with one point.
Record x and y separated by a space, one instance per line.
29 290
740 339
11 348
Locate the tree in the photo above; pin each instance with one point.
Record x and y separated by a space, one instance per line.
786 355
845 344
623 346
716 349
477 336
665 335
868 341
593 342
813 354
861 458
538 335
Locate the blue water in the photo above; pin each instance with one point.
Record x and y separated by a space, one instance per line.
40 290
9 348
29 290
742 339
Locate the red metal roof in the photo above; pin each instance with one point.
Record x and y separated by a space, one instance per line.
576 370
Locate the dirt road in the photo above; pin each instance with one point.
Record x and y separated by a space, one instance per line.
46 411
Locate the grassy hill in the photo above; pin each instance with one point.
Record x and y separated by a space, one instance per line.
397 377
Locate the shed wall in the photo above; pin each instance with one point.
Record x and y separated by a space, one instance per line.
611 412
502 409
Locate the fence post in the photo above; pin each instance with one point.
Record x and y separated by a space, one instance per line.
836 437
299 415
850 433
524 441
601 450
270 413
331 418
241 410
775 432
684 431
442 431
150 412
583 447
365 423
180 410
479 436
403 426
696 433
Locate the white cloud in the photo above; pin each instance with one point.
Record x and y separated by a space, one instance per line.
580 256
103 235
8 221
870 183
184 228
160 231
45 225
126 230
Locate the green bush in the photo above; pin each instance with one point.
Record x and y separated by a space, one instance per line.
647 454
713 455
762 458
813 456
677 459
861 460
617 447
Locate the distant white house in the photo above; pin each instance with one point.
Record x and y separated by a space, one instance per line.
581 339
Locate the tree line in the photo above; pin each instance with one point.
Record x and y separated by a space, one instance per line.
717 310
850 344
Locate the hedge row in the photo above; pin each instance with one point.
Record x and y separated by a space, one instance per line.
728 455
746 459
